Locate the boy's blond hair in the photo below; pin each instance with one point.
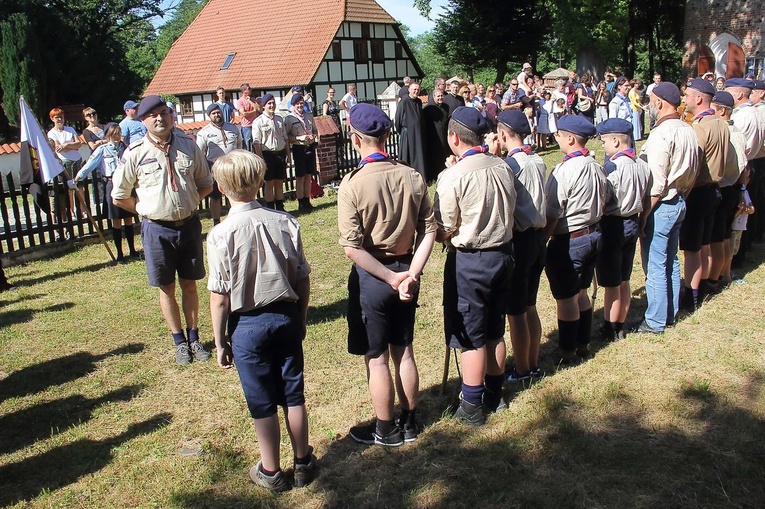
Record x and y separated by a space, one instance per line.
240 174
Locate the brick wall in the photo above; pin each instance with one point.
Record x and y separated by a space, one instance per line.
326 152
705 19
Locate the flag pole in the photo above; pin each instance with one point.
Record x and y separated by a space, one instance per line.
84 206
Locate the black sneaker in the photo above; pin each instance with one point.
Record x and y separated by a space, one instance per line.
583 351
276 482
182 354
644 328
410 429
304 474
200 354
367 434
536 373
470 414
513 376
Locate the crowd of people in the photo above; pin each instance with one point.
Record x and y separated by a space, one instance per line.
502 219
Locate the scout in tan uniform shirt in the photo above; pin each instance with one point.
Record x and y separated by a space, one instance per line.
529 249
214 140
170 177
576 195
628 179
379 231
269 139
474 204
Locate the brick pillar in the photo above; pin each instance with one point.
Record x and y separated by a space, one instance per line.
326 152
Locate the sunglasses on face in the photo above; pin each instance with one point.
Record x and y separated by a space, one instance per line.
91 114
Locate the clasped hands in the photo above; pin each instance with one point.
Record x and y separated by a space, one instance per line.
406 283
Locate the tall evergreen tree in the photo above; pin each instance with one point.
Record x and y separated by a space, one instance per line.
21 68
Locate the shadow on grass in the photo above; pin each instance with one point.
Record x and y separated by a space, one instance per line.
559 457
57 275
66 464
19 298
42 421
24 315
327 312
38 377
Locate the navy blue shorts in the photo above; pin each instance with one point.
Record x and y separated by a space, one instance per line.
476 295
276 165
304 159
376 315
268 352
570 263
529 255
169 250
696 230
723 221
113 211
619 239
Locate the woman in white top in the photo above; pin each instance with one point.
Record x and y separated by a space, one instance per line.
65 142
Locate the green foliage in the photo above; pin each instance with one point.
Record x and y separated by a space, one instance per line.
486 34
433 63
21 72
86 49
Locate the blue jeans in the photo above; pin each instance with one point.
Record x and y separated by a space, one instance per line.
247 138
660 262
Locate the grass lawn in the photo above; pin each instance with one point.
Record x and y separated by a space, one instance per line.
95 414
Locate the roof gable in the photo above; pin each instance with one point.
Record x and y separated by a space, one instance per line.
271 52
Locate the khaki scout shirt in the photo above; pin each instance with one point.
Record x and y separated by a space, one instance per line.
530 202
745 117
475 202
672 153
381 206
210 140
295 126
269 133
256 257
739 145
147 171
716 153
576 191
629 184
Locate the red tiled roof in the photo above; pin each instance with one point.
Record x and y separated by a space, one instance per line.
10 148
269 54
366 11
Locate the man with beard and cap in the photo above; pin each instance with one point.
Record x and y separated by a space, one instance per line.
628 179
715 154
214 140
269 139
170 177
435 118
730 185
672 154
389 246
528 241
408 122
745 117
132 128
453 98
576 193
474 205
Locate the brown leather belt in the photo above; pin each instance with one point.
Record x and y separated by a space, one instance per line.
172 224
584 231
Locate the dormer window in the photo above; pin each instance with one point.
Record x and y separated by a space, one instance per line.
227 62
